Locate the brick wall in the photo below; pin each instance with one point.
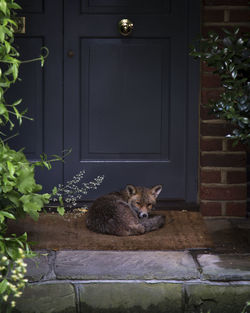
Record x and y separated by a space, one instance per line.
223 185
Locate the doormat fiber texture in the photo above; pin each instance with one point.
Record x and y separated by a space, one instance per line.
183 230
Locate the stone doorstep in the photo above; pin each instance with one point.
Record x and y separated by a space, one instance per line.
132 265
135 282
137 265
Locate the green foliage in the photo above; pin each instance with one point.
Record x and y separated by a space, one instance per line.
19 192
18 188
10 63
229 56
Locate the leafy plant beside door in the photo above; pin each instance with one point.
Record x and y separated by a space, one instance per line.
229 56
19 192
20 195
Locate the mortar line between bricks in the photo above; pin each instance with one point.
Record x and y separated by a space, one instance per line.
77 298
196 262
51 264
140 281
206 24
243 169
224 7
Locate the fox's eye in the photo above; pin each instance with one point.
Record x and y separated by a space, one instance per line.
150 205
137 202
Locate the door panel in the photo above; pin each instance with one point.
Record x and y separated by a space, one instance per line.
31 133
124 119
128 6
126 108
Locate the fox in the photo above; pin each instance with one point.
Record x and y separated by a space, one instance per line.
126 212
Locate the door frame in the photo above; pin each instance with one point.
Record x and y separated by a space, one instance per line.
193 131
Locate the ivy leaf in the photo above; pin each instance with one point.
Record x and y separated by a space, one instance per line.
12 250
14 197
25 180
234 74
7 46
14 6
32 204
7 214
60 210
3 6
3 286
240 41
11 168
54 190
2 34
2 108
227 42
15 71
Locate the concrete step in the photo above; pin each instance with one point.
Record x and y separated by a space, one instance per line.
136 282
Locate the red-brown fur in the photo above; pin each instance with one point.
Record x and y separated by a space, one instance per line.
126 212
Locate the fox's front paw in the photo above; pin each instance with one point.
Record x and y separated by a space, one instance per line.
161 220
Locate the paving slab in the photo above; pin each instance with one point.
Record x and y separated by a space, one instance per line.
225 267
216 298
130 298
38 267
47 298
145 265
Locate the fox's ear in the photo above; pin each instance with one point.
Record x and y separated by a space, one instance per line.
156 190
131 190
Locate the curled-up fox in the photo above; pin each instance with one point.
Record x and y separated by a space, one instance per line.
125 213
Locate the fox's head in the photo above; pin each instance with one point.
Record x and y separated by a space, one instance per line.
142 199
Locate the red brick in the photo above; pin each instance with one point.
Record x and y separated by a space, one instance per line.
215 129
206 68
210 208
225 2
236 209
236 177
210 81
223 193
238 147
210 94
240 15
210 144
206 114
210 176
223 160
213 15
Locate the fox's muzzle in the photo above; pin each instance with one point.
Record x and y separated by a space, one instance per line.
143 215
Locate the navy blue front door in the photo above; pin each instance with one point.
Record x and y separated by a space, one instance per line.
126 105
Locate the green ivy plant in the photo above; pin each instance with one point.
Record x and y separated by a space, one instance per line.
19 192
229 56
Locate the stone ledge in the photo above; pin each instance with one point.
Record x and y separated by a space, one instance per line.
45 298
136 282
131 298
225 267
216 298
38 268
101 265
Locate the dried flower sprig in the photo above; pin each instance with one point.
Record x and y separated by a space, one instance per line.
74 191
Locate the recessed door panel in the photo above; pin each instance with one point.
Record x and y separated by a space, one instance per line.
123 112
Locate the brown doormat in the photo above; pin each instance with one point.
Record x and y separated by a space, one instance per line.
182 230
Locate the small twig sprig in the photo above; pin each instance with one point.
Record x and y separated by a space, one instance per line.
74 191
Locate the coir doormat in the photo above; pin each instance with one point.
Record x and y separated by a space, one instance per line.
183 230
